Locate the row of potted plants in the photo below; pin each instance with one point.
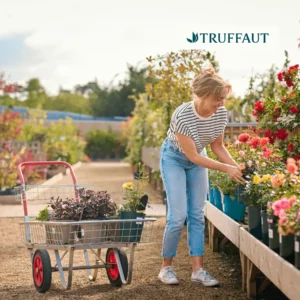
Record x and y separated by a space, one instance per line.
269 158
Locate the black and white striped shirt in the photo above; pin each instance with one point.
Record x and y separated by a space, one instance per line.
203 131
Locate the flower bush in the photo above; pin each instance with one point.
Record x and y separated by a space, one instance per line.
280 117
258 160
288 212
61 140
11 125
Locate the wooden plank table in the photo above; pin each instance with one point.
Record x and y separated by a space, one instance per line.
219 222
276 269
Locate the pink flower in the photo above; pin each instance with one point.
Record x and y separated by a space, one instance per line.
241 153
282 220
290 161
249 163
281 213
280 206
267 152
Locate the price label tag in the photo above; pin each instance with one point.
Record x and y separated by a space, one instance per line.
270 233
53 230
280 238
297 246
82 232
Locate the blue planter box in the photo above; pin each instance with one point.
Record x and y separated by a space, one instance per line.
217 199
234 209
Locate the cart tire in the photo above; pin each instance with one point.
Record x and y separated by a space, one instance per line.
113 272
41 270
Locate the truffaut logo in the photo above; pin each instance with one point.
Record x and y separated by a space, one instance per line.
222 38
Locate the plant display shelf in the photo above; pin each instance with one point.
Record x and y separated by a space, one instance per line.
256 257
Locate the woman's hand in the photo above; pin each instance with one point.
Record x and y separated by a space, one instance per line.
235 173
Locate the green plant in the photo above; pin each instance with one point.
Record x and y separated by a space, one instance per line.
136 131
227 185
102 142
43 215
133 192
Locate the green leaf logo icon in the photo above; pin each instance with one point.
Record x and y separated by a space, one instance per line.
194 38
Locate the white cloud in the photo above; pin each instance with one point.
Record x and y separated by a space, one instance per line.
76 41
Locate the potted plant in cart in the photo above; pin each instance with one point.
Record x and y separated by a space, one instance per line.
91 206
135 206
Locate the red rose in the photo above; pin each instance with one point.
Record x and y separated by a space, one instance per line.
281 134
291 147
243 137
280 76
297 157
283 99
295 67
293 109
254 113
259 106
270 136
290 83
264 141
254 142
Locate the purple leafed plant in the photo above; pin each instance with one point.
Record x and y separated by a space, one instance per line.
91 206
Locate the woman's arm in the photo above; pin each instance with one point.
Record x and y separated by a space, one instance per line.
189 148
221 152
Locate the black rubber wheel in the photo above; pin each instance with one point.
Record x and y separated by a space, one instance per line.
113 270
41 270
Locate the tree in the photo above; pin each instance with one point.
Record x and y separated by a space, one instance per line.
172 74
36 94
116 100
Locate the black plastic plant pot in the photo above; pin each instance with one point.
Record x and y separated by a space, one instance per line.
240 196
254 222
131 232
297 250
286 248
264 227
273 233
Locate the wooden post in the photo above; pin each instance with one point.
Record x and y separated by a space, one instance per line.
244 259
251 279
215 238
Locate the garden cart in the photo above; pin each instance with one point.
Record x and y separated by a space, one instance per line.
66 237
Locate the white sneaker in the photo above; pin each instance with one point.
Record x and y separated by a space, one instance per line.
204 277
168 276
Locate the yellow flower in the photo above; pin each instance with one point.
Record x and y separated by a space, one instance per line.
127 185
266 178
256 179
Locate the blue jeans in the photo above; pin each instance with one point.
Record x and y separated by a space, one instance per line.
186 186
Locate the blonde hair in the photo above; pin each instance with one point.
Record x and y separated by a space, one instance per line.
207 83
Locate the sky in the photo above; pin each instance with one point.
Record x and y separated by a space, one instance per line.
66 42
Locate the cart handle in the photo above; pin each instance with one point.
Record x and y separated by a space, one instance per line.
43 163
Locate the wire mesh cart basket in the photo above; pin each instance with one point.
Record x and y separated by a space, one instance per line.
65 237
